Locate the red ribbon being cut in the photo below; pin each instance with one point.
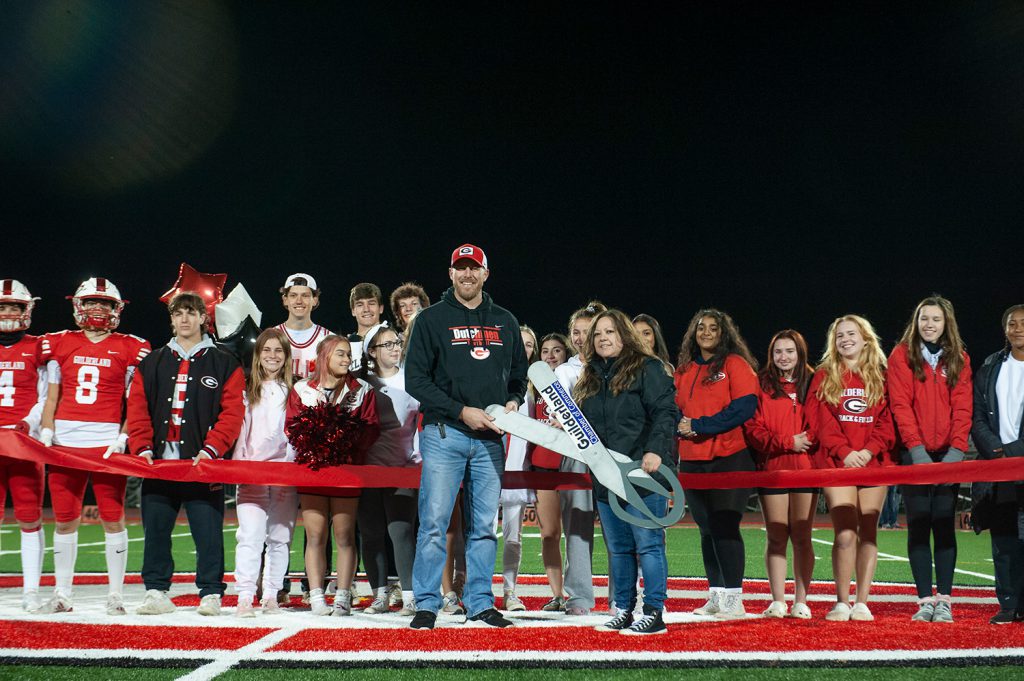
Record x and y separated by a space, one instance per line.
19 446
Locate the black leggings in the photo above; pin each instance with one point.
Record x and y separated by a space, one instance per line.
717 513
931 511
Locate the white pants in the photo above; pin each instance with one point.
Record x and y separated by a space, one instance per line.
266 515
511 529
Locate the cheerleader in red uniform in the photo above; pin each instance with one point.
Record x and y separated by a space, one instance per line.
855 429
782 440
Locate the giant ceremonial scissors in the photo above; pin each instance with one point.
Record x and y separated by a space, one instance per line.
577 440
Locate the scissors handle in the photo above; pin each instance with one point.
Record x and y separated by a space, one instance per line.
633 498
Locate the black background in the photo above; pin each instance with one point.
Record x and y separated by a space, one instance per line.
787 164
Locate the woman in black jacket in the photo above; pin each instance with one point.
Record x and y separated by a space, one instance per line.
628 397
998 431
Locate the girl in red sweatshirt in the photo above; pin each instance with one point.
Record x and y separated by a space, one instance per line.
930 391
782 440
847 406
716 392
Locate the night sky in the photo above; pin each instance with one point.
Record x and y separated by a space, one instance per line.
787 165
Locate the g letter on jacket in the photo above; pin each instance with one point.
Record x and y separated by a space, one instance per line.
213 410
718 406
850 425
929 413
461 357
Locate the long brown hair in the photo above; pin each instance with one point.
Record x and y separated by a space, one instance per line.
730 342
770 377
950 341
630 362
257 376
871 364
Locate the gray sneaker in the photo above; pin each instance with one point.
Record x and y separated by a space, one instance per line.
943 612
925 611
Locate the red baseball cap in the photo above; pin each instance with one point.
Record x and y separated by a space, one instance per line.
469 252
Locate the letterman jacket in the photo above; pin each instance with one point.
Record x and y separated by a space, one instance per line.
212 413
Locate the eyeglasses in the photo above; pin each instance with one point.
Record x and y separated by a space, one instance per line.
390 345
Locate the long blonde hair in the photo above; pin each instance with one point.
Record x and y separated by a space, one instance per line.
871 364
257 376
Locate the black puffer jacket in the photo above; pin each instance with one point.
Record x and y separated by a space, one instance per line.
986 425
638 420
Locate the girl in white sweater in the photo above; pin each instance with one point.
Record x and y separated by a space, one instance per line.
266 513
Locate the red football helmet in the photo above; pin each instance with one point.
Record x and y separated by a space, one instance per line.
95 318
13 291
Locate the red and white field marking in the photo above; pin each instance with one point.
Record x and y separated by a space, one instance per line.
295 638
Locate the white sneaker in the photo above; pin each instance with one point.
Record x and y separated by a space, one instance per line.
512 603
57 604
860 613
245 608
451 605
270 606
156 602
800 611
342 603
115 605
378 607
730 607
711 607
408 610
209 605
317 605
840 612
30 602
776 609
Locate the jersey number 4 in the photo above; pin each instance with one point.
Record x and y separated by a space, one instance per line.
7 388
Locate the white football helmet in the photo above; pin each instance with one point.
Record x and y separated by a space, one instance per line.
13 291
97 288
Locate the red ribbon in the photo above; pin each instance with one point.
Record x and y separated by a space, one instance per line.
19 446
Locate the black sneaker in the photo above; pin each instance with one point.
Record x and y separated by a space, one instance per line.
1003 617
650 623
621 621
490 617
423 619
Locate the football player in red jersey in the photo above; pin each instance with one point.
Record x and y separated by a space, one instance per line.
22 395
89 371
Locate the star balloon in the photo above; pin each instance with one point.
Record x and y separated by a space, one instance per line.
209 287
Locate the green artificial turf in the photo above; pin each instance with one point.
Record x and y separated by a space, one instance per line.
974 553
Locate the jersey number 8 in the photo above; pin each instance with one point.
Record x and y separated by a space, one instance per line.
88 382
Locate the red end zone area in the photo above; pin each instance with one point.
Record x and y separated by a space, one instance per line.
296 638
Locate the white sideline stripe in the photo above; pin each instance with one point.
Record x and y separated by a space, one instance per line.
889 556
714 657
49 549
223 661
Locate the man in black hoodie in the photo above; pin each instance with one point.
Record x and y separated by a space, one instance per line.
465 353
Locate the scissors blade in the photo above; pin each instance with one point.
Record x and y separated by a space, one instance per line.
535 431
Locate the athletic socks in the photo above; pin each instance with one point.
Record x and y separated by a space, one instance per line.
32 545
117 559
65 552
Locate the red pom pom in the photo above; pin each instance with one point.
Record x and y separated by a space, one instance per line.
327 435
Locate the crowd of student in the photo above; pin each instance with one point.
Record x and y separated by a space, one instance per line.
715 409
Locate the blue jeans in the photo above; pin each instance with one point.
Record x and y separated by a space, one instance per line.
626 543
448 461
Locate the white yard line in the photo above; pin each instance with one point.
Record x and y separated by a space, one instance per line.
889 556
223 661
